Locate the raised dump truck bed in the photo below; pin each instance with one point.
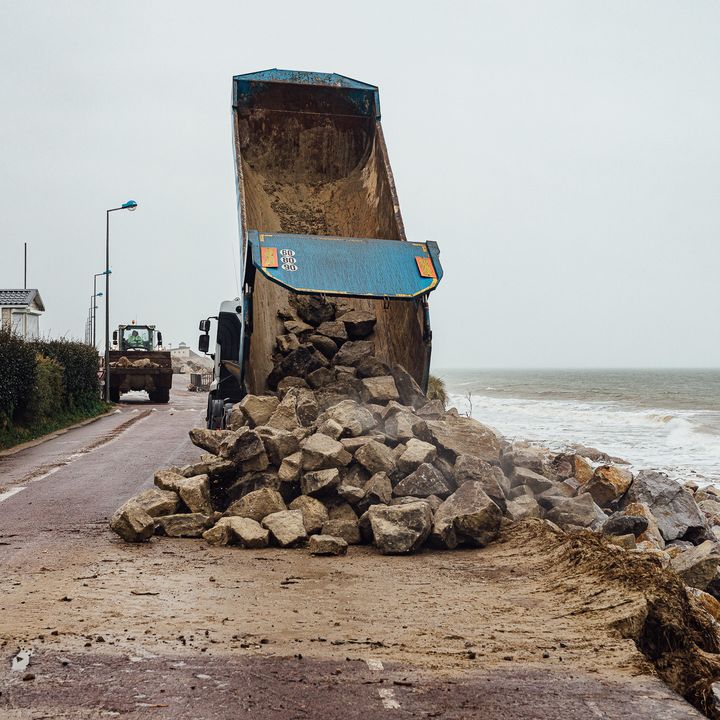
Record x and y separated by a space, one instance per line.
312 165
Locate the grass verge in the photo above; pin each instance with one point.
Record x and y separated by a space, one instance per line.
17 434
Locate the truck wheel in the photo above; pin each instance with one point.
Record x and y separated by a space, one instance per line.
161 395
115 395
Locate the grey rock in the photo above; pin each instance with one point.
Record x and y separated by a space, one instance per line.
471 469
409 391
344 528
290 468
354 419
187 525
313 309
378 489
621 524
376 458
468 515
314 513
195 493
324 345
321 378
333 329
278 443
400 528
674 508
157 502
320 452
426 480
286 527
698 567
465 436
580 511
257 504
132 523
522 455
168 480
258 409
379 389
536 482
416 453
287 343
208 439
353 352
319 482
524 507
358 323
327 545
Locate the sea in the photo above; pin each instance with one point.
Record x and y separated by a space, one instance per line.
665 420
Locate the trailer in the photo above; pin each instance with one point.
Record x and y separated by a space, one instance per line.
318 214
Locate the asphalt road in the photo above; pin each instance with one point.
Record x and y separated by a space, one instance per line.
55 500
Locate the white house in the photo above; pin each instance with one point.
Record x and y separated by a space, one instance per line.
20 311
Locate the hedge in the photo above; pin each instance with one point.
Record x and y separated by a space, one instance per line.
45 380
17 376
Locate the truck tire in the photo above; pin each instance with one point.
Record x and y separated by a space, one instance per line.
114 395
161 395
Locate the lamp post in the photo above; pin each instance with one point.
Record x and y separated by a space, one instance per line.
94 307
129 205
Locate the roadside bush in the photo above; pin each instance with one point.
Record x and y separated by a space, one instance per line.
47 399
17 376
80 364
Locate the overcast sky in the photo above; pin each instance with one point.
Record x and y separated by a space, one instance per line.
564 155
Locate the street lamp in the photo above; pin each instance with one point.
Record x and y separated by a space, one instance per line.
129 205
96 294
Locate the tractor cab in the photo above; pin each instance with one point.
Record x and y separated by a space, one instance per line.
136 337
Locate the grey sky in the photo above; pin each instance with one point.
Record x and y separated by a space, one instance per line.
565 156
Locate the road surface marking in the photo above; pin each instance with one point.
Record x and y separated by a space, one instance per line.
9 493
387 695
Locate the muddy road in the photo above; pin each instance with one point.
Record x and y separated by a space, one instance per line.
177 629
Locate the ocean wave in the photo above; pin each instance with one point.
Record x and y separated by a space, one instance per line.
681 443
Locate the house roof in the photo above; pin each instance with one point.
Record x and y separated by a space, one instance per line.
21 298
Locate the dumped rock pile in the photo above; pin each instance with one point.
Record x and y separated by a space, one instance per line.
349 450
126 362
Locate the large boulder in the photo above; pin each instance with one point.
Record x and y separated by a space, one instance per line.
279 444
318 483
354 419
358 323
157 502
297 363
314 513
415 454
674 508
523 507
699 566
529 478
258 409
471 469
465 436
343 527
242 531
353 352
378 490
467 516
209 439
379 389
522 455
321 451
132 523
400 528
195 493
376 457
426 480
580 511
168 480
291 468
327 545
409 391
185 525
313 309
651 533
245 446
405 426
333 329
257 504
608 484
620 523
286 527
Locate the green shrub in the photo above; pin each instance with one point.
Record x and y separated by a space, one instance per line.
17 376
48 395
80 376
436 389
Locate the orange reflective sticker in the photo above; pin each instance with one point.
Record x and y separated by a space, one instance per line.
426 267
269 257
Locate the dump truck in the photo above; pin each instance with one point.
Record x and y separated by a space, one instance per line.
138 363
318 214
